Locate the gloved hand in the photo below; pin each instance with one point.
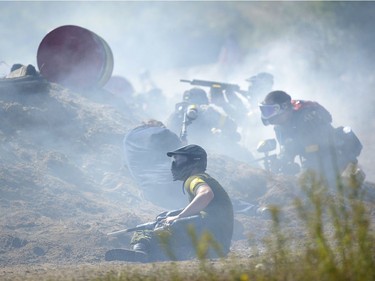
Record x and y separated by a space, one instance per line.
162 215
165 214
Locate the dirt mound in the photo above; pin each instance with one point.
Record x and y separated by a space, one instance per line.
61 176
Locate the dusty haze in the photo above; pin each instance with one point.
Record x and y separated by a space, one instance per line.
63 185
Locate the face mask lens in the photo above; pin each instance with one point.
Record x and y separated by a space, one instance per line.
179 160
178 167
269 111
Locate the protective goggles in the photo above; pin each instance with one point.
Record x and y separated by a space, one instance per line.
269 110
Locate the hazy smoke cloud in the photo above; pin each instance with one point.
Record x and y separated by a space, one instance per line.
319 51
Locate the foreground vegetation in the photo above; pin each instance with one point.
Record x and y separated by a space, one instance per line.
337 244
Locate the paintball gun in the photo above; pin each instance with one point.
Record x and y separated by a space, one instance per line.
215 85
190 115
158 223
272 163
265 146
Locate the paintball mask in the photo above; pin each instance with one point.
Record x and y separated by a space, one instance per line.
270 113
269 110
187 158
275 104
180 167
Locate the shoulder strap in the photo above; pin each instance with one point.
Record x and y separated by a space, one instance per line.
300 105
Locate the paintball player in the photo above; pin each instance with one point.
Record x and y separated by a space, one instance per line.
259 85
210 121
210 128
210 205
230 103
196 98
303 128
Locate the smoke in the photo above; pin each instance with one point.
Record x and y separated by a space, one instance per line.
315 50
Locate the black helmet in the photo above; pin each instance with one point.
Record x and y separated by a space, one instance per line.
260 85
262 77
195 96
274 104
196 159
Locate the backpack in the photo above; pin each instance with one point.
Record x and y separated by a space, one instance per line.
145 149
313 108
348 146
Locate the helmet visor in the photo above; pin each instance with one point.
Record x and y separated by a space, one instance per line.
180 167
179 160
269 110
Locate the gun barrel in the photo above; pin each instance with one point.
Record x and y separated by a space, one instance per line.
148 225
118 232
152 225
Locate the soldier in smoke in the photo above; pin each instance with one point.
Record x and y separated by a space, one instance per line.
212 128
259 85
210 210
304 129
230 103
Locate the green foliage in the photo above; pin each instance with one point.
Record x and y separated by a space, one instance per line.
339 243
